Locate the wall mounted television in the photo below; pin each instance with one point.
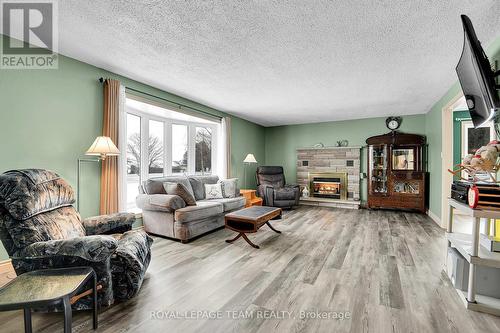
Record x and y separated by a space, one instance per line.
477 78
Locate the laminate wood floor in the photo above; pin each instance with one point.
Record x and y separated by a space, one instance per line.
382 270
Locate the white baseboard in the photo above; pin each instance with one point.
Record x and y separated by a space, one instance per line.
435 218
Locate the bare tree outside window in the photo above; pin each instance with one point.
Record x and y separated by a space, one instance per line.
133 158
203 150
155 157
179 149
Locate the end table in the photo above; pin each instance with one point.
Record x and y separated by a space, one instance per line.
31 290
251 198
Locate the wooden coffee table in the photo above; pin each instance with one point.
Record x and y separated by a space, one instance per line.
249 220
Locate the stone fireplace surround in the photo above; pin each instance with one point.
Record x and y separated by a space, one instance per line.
330 160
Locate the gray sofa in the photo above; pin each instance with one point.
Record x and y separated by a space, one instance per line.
167 215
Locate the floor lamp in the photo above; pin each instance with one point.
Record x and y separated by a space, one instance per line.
250 159
102 147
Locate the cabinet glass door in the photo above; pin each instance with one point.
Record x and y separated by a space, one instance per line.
403 159
378 169
406 187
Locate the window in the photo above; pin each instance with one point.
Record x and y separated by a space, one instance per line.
162 142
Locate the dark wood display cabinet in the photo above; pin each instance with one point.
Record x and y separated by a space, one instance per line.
397 178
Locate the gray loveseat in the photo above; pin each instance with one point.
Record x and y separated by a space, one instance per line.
167 215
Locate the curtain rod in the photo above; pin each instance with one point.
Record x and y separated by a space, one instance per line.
169 101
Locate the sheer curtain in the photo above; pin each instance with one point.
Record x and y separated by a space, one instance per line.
224 153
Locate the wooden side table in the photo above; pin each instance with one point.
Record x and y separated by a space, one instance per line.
47 287
251 197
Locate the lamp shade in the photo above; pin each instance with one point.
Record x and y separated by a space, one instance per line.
103 146
250 159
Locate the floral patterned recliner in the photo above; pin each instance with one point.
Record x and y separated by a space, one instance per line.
40 228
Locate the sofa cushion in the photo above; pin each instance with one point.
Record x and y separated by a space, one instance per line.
198 184
159 202
202 210
26 193
180 190
155 185
229 187
284 193
61 223
213 191
229 203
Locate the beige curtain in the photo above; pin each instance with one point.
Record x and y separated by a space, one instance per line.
109 172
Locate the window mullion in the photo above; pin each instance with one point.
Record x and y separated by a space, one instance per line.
167 150
144 148
191 149
215 138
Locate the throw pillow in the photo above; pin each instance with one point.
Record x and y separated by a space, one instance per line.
180 190
213 191
229 187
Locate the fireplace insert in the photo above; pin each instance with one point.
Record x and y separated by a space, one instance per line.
332 185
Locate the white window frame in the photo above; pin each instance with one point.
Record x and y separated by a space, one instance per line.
167 144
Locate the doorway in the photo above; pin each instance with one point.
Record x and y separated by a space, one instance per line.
456 103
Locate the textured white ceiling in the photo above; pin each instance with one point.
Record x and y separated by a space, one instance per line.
282 62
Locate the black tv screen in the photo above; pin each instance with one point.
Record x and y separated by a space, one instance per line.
477 78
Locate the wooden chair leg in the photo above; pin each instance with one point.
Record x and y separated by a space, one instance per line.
75 298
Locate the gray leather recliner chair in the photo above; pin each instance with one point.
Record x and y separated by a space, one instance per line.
272 188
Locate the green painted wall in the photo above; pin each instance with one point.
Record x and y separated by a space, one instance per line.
433 130
247 138
282 141
50 117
